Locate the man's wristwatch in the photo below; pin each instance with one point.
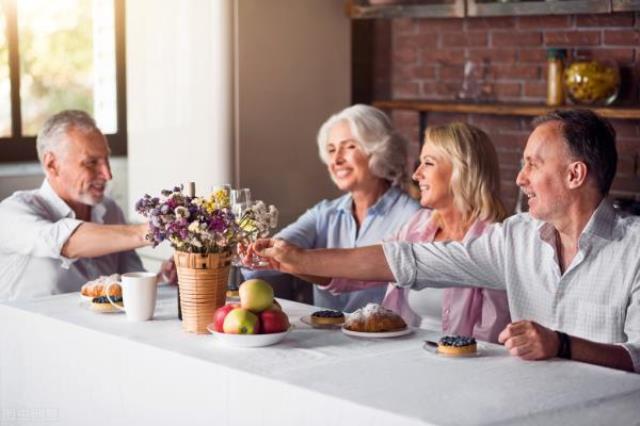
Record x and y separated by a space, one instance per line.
564 348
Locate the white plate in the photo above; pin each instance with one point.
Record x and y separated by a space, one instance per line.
379 335
86 298
434 351
307 320
248 340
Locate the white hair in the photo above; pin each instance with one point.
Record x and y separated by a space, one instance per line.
56 127
372 130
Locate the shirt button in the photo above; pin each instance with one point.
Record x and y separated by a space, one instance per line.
446 311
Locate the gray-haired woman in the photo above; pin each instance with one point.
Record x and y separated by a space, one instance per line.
366 159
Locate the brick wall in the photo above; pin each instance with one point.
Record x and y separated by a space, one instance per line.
508 54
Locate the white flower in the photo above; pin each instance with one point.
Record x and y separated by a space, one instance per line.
194 226
182 212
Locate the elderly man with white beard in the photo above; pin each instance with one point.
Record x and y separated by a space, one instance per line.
55 238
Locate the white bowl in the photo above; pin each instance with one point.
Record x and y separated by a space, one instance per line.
248 340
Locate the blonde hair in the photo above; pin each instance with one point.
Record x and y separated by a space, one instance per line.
372 130
475 176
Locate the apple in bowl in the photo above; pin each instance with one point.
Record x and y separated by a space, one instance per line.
256 295
241 321
274 321
220 314
258 320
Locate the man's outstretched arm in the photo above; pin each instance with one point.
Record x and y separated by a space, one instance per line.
94 240
363 263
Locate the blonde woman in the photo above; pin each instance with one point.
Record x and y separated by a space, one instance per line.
459 181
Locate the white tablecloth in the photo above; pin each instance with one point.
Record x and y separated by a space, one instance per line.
63 364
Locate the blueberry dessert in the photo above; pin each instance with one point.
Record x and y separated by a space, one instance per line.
101 303
327 317
457 345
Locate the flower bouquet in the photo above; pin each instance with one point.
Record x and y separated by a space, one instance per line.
205 233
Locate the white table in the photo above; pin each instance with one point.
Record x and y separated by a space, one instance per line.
63 364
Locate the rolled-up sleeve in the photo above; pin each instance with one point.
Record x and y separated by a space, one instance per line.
447 264
402 262
31 234
632 326
634 352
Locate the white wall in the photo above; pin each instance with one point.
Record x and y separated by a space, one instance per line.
234 91
179 95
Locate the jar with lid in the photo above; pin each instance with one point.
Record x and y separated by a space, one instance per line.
555 66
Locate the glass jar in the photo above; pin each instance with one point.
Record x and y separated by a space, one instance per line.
591 82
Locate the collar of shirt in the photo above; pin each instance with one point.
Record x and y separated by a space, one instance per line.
382 206
62 209
601 224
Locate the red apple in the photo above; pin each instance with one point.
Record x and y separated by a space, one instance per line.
274 321
220 314
241 321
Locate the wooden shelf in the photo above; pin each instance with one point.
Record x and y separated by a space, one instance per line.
361 9
527 110
536 7
423 107
625 5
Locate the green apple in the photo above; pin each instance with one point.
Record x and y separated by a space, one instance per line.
256 295
241 321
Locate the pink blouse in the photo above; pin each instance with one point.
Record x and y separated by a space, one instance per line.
477 312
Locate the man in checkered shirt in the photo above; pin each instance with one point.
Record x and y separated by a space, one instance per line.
571 265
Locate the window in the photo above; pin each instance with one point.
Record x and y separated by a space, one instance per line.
56 55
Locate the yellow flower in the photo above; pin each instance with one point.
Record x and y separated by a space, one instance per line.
210 205
222 198
248 225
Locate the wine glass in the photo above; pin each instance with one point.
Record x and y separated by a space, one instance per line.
240 200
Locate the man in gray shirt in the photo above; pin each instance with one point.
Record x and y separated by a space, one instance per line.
571 265
55 238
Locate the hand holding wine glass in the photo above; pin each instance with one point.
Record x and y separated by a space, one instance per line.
278 254
254 220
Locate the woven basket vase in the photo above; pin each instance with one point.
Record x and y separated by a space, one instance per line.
202 280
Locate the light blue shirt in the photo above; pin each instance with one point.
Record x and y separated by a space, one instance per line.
331 224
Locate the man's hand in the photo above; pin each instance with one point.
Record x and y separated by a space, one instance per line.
529 340
280 255
168 271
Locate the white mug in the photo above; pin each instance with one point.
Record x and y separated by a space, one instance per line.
139 292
